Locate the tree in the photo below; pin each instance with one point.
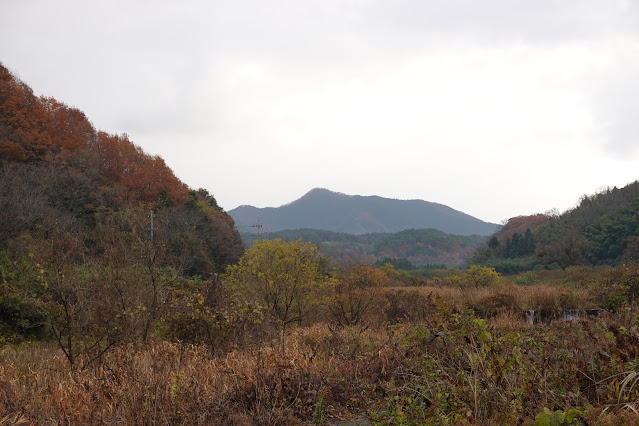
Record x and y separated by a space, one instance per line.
493 243
357 295
84 317
482 276
567 251
475 276
22 120
284 276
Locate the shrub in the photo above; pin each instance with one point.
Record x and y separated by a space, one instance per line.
475 276
282 276
618 286
21 318
502 301
357 296
408 305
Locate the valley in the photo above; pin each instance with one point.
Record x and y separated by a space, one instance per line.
128 297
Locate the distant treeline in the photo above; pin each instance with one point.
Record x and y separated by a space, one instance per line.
406 249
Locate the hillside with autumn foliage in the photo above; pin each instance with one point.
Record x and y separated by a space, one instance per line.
36 130
84 212
602 229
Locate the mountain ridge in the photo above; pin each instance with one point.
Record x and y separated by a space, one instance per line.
321 208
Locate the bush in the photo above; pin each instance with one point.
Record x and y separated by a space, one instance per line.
618 287
208 315
358 296
502 301
21 318
511 266
408 305
475 276
526 278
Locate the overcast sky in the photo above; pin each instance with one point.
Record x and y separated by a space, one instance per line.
497 108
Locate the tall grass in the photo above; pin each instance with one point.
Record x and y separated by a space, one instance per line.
167 383
429 358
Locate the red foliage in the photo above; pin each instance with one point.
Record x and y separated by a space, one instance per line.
32 128
142 177
519 225
22 120
69 128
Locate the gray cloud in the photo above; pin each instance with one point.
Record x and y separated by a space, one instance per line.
411 97
509 20
616 102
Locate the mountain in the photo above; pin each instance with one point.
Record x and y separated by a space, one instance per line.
356 214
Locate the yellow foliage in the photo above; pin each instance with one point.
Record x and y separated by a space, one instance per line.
281 275
475 276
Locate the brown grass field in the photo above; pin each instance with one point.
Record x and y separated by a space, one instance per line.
426 358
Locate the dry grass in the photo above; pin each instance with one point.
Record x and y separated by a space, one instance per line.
445 292
513 297
339 374
424 339
165 383
509 321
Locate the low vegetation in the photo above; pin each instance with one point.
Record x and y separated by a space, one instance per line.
452 350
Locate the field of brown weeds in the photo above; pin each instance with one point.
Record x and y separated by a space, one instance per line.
436 354
447 368
167 383
513 298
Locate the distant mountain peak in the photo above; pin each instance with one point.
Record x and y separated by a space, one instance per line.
316 195
321 208
315 192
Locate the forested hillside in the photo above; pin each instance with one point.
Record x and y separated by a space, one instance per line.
77 240
415 247
356 214
603 229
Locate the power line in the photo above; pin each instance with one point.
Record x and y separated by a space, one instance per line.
257 225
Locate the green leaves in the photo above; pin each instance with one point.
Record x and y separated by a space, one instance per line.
559 418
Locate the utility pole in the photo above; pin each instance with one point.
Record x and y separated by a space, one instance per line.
259 227
152 228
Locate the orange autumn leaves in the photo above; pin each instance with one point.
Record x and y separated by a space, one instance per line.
142 177
40 128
